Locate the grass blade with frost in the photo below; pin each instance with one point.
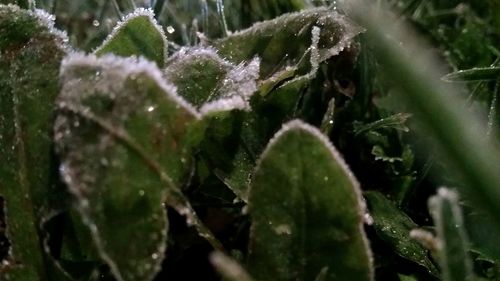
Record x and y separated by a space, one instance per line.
453 246
474 74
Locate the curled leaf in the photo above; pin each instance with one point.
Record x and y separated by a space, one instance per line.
317 34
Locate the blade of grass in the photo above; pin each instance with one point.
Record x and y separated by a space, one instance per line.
436 107
473 74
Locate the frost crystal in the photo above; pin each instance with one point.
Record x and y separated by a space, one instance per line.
239 86
118 69
48 21
211 82
139 12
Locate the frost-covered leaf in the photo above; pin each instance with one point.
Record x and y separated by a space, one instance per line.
122 133
306 211
210 82
474 74
30 54
453 245
288 41
137 34
393 227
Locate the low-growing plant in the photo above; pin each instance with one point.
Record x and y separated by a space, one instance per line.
177 149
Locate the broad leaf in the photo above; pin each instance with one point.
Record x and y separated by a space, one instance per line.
137 34
30 54
288 41
122 134
211 83
393 227
453 245
306 211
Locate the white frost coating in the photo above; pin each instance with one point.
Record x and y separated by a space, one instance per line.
122 68
239 85
48 21
299 125
139 12
315 34
224 104
206 52
242 79
348 32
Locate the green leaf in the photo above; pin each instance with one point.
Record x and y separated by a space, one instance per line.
307 211
453 245
30 54
473 74
393 227
271 41
209 82
122 133
137 34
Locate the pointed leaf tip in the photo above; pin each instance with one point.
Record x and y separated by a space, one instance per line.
306 205
138 34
